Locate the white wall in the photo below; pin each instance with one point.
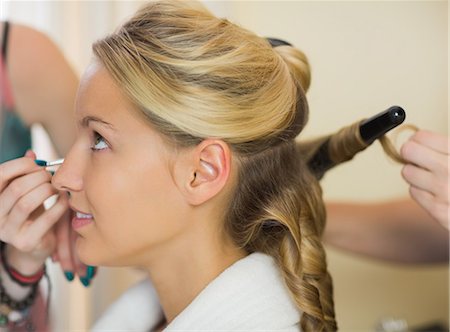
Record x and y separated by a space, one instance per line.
365 56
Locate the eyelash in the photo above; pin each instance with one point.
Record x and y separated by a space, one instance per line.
97 138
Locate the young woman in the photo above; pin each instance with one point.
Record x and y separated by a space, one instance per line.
186 165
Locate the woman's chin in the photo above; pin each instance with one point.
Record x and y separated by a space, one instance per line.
87 255
90 256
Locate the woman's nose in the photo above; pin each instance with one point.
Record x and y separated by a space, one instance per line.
69 175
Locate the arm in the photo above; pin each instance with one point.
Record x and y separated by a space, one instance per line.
45 88
397 231
44 85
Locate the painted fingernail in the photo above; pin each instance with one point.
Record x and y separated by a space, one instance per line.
85 281
69 275
90 272
40 162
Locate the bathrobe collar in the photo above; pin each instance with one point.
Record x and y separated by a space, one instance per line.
248 295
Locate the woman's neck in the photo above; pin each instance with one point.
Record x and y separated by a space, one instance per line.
187 265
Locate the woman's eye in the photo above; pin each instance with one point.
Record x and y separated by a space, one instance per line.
99 142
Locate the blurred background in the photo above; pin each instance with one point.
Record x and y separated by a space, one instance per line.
365 57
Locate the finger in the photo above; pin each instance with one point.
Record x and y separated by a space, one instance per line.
18 240
24 207
424 198
437 142
80 267
419 178
47 220
88 276
30 154
64 246
12 169
20 187
439 211
423 156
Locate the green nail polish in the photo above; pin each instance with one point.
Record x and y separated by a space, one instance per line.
40 162
90 272
69 275
85 281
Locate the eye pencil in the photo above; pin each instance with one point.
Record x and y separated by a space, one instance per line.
49 163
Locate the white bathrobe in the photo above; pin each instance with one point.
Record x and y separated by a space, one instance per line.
249 295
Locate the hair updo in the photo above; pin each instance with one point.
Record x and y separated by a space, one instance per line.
195 76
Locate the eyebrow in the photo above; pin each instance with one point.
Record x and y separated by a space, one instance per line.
85 122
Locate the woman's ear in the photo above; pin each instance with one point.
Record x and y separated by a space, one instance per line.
209 171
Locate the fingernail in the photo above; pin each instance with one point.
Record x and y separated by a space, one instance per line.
90 272
85 281
40 162
69 275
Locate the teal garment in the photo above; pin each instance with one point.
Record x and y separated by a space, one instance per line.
15 137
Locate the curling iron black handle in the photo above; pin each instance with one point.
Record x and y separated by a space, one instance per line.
380 124
370 130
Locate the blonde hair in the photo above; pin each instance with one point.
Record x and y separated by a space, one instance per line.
195 76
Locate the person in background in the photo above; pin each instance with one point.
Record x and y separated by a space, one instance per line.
37 86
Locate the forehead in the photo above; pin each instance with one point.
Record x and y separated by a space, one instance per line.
97 88
100 96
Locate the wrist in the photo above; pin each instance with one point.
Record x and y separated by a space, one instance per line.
25 263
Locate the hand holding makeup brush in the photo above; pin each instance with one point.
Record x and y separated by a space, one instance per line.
24 223
34 235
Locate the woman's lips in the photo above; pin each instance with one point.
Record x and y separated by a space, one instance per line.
81 220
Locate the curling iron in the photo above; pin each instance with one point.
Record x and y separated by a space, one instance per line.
326 152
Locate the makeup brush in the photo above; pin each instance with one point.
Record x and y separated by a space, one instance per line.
49 163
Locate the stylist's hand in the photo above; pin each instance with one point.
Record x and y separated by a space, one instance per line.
24 223
428 172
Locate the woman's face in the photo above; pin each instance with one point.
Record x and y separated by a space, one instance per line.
120 172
